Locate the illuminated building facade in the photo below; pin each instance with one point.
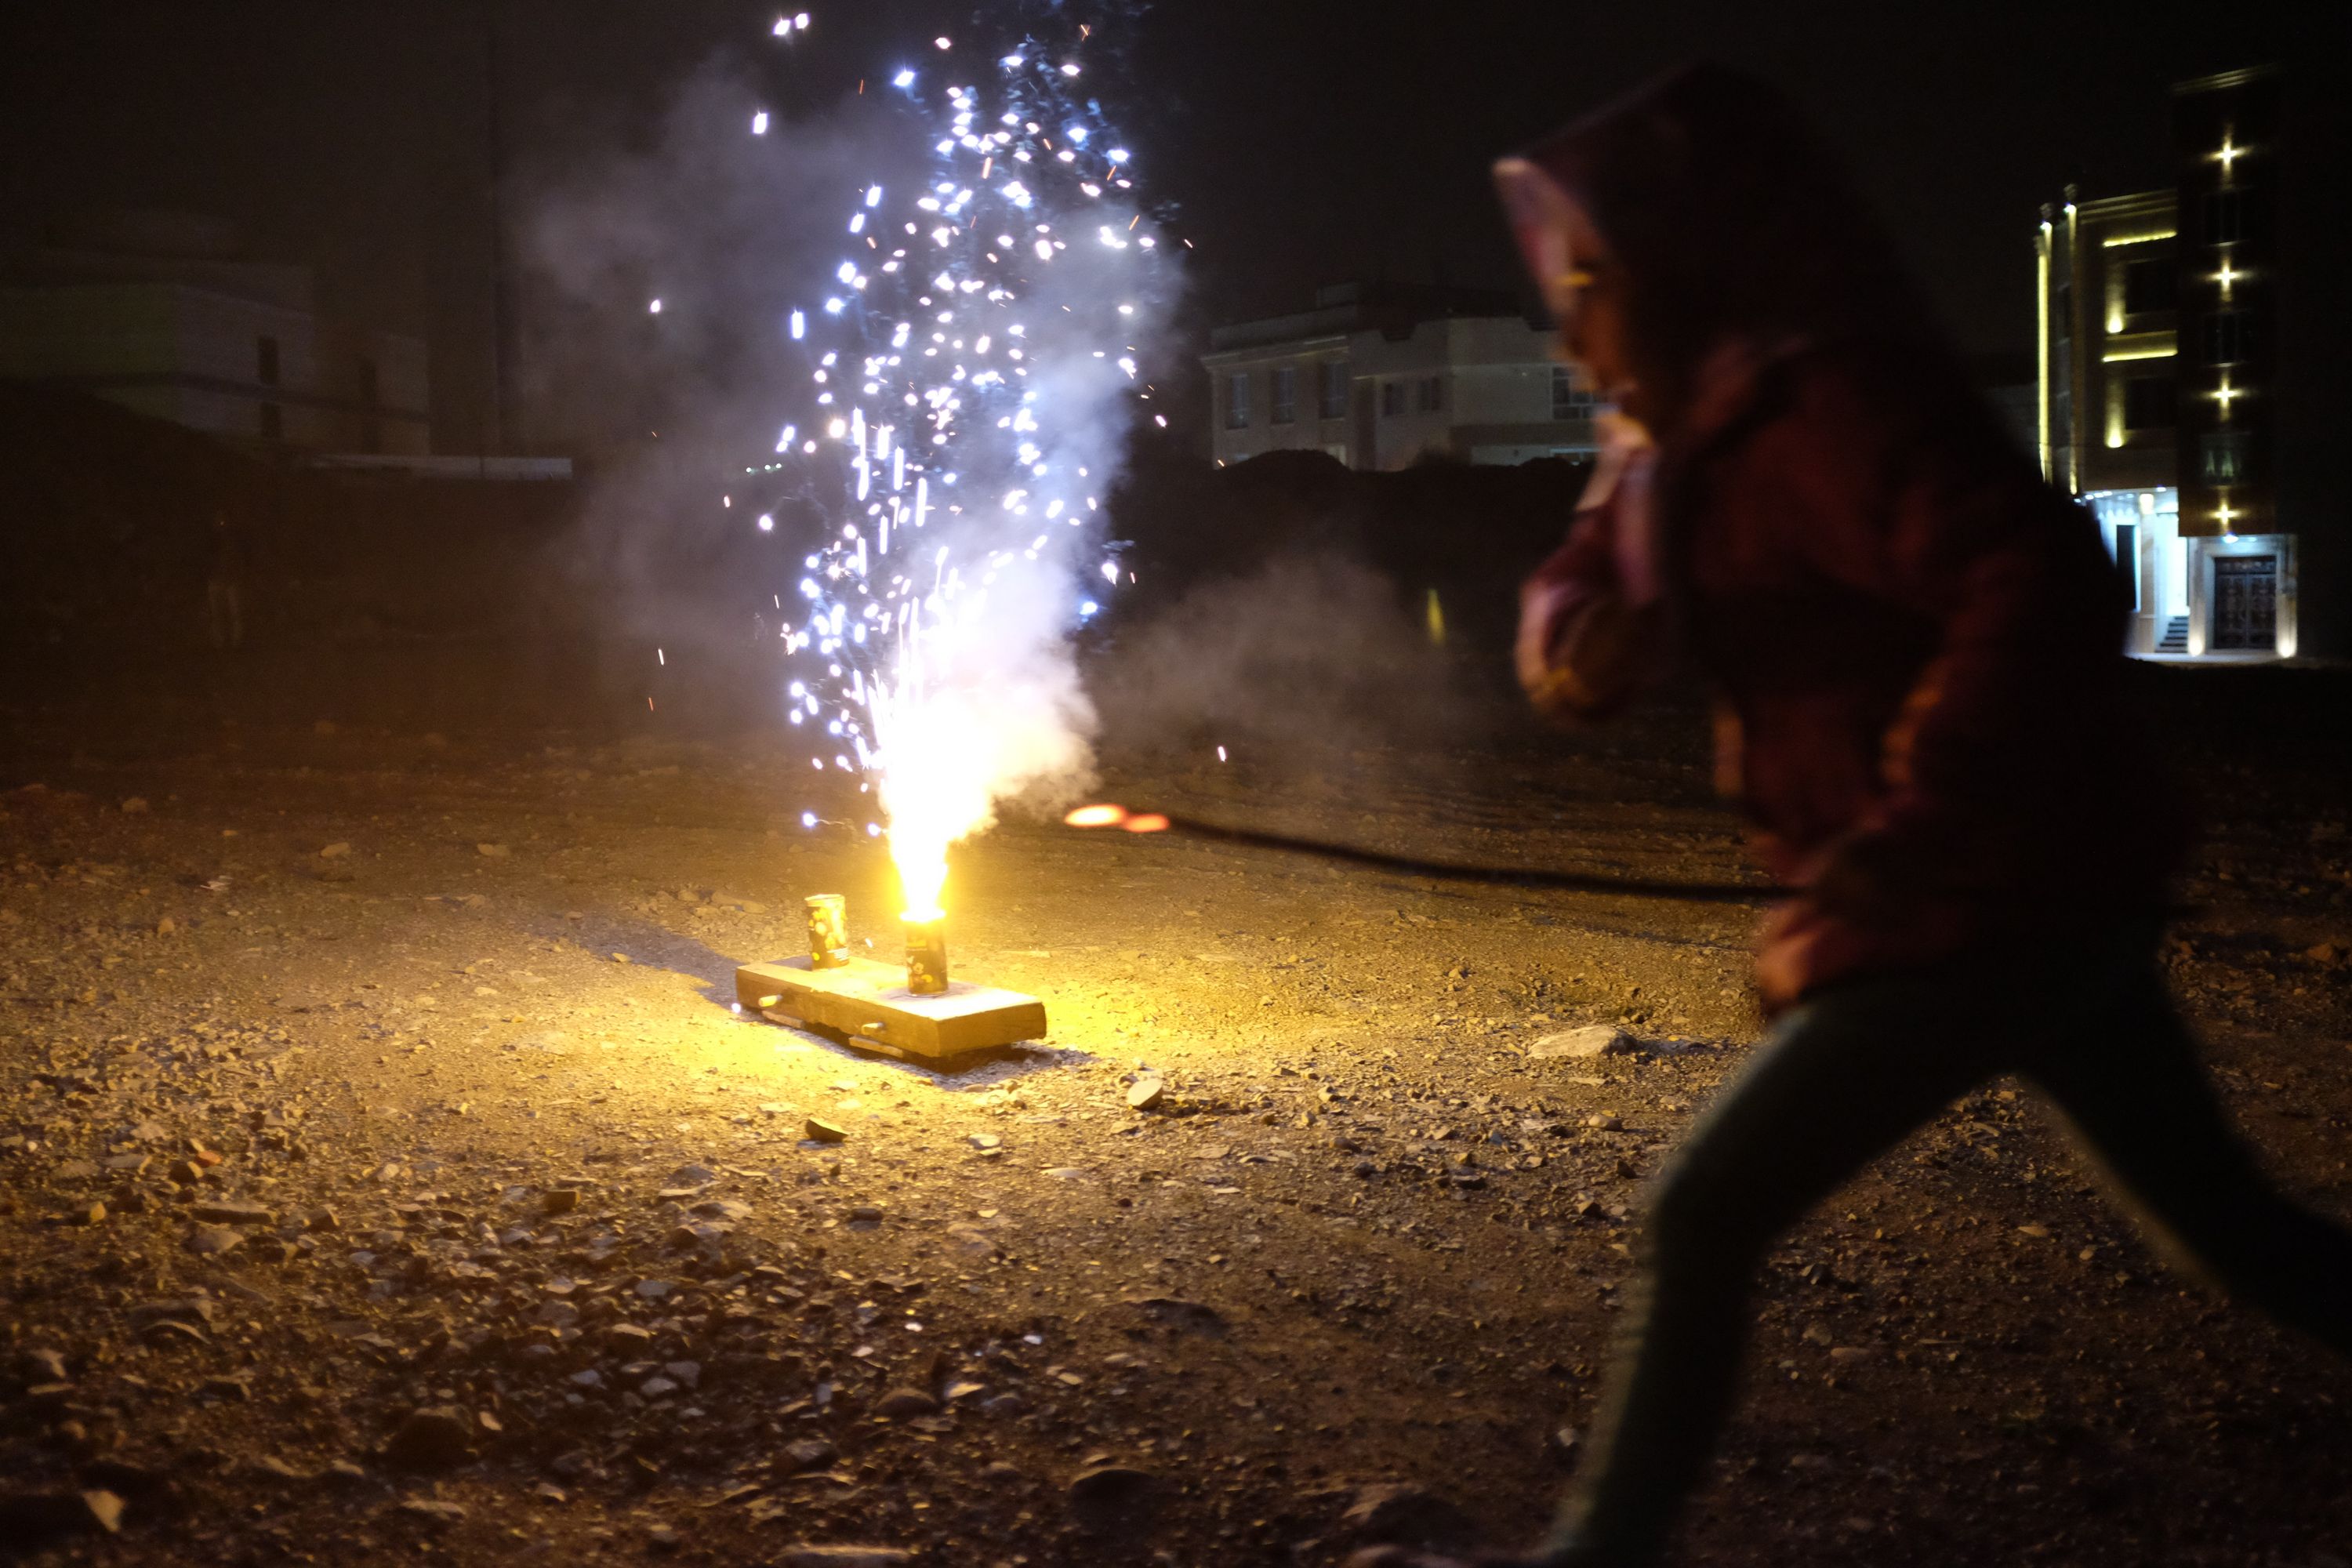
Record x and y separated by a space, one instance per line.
162 313
2158 380
1379 378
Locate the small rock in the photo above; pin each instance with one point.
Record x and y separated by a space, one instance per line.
438 1437
1404 1516
1592 1040
433 1510
334 851
196 1311
810 1453
561 1200
212 1240
233 1389
986 1141
492 851
901 1403
169 1332
223 1213
44 1366
1146 1094
823 1131
135 806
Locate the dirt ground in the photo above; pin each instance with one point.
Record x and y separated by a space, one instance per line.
384 1173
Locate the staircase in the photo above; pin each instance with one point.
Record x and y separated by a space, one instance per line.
2175 639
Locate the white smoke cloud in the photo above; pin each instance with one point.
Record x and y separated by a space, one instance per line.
933 308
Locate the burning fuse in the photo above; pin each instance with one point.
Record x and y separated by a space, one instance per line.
828 931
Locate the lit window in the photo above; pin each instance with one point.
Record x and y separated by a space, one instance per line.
2222 457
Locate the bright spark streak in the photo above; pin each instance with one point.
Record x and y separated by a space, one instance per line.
979 344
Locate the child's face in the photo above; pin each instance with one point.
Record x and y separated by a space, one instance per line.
1586 289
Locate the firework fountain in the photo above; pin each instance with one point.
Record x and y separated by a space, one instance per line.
975 365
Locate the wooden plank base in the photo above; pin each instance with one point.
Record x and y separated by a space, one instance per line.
869 1001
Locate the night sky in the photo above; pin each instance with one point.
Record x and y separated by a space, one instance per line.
1298 140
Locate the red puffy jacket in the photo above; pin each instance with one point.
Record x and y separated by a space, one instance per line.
1918 644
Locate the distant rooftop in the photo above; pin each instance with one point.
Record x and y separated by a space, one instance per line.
1395 308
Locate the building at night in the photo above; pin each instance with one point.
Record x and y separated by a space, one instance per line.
162 313
1381 375
2167 318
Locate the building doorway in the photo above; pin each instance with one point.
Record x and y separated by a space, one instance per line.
2245 601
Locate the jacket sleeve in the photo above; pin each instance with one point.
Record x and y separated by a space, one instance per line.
1923 507
1590 629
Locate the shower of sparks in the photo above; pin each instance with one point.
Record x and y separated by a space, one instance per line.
971 360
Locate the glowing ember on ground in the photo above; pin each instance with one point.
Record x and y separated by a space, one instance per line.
973 363
1097 816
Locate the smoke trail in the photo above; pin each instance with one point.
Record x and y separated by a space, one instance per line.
973 362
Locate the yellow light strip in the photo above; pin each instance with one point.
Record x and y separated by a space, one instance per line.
2120 356
2041 348
2149 237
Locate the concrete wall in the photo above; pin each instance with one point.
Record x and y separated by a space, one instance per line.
195 357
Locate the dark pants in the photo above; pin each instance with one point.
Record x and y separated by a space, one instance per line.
1843 1078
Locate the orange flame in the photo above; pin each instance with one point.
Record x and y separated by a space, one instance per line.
1145 822
1097 816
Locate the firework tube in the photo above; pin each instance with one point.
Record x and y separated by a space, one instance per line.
828 931
927 953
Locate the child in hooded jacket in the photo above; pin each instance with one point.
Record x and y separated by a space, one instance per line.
1915 648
